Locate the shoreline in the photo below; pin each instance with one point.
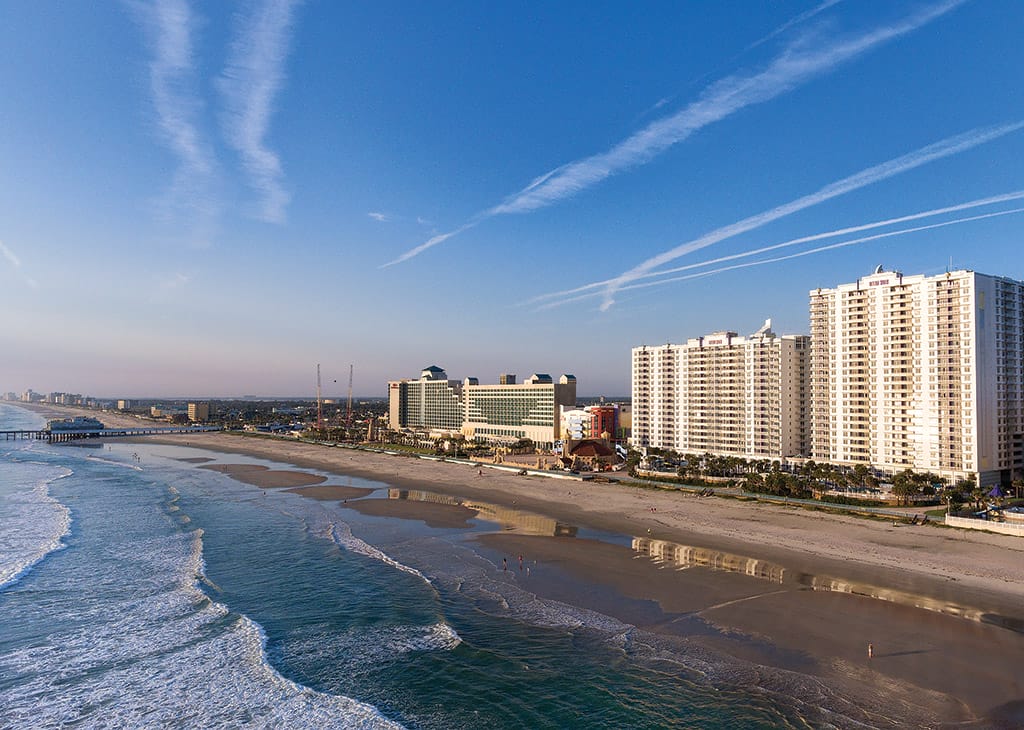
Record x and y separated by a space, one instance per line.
807 622
864 549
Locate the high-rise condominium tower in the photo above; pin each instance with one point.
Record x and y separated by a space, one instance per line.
723 394
920 372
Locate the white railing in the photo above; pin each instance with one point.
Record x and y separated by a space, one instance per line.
1004 528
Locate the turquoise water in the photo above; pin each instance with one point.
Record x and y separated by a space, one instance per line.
138 590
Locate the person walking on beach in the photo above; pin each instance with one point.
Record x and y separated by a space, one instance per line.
504 564
871 651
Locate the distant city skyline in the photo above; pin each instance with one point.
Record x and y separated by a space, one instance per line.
212 199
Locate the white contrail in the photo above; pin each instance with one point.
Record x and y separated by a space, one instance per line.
252 78
802 17
9 255
776 259
830 247
171 76
431 242
797 20
993 200
797 64
938 150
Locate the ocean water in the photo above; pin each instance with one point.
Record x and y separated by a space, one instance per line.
138 590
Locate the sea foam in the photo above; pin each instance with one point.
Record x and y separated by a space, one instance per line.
131 640
34 523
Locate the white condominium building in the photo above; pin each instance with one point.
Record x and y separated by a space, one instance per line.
920 372
655 385
723 394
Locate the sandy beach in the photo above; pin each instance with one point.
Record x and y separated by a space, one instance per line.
943 608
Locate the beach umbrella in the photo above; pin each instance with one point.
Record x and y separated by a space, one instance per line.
996 492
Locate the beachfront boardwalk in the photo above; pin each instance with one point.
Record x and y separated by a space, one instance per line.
55 437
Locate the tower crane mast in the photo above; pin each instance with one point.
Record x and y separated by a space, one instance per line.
319 402
348 414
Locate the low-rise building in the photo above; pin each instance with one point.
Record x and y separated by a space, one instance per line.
592 422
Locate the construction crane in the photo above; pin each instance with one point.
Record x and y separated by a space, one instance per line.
319 402
348 414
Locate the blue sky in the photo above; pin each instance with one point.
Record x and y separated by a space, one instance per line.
211 198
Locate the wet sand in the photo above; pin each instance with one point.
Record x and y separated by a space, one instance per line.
955 668
331 492
265 478
443 516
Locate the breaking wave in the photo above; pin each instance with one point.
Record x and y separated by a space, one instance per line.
34 523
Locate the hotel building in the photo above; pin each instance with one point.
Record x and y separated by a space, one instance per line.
198 412
920 372
527 410
433 403
503 412
723 394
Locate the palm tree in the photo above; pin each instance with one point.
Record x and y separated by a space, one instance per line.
905 485
753 482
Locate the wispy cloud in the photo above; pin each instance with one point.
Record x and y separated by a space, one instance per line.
172 282
170 25
381 217
796 65
250 83
568 295
944 148
15 262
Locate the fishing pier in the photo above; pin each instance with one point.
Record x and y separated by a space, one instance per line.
62 436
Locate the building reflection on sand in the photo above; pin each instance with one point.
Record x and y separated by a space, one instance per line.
509 518
691 556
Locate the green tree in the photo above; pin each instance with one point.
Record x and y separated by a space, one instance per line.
905 485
